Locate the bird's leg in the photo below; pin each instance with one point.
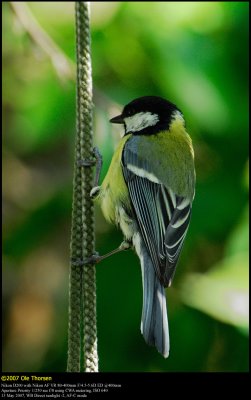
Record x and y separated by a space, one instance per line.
96 258
99 162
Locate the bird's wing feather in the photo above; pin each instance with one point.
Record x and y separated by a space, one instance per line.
162 216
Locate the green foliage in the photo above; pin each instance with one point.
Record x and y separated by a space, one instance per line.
194 54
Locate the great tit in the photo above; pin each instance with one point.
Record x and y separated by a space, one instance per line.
148 193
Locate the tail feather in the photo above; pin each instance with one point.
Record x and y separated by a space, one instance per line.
154 323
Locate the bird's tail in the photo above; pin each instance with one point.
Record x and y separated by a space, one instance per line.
154 322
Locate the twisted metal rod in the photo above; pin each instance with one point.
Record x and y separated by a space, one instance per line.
82 336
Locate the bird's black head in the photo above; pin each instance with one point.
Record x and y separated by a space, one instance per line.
147 115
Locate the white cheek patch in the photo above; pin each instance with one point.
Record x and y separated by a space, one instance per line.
140 121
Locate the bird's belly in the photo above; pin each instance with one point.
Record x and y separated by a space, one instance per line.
114 197
114 210
127 224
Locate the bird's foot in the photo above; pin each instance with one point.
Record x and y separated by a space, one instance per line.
125 245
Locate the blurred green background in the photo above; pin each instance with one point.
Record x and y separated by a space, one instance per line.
196 55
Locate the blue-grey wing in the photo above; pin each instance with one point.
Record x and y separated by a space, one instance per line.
162 216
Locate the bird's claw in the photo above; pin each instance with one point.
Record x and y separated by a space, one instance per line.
94 259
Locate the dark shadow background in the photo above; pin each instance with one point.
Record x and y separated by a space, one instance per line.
193 53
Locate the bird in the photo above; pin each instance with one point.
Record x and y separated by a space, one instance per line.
148 193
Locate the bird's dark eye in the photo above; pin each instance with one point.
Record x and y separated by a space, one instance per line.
129 112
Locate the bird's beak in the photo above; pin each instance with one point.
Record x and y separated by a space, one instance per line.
117 120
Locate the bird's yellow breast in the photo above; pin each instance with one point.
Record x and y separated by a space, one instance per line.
114 191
